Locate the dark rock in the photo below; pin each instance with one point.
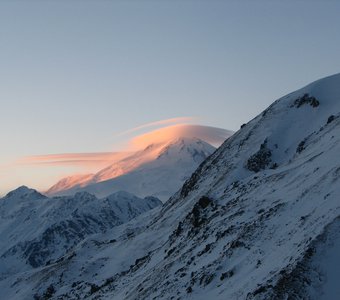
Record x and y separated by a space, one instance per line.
94 288
206 279
205 250
260 160
236 244
301 146
260 290
204 201
306 99
141 261
50 291
274 166
330 119
179 229
227 275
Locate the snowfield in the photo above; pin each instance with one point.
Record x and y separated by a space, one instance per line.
258 219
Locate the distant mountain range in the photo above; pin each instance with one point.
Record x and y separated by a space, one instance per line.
37 231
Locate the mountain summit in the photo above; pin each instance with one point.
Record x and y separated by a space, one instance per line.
24 192
158 170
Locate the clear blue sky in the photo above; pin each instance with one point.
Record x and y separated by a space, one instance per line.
73 74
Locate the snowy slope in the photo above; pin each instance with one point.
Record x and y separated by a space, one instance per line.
36 230
66 183
143 150
158 170
259 219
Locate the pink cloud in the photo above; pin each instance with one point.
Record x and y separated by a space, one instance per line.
99 159
180 120
212 135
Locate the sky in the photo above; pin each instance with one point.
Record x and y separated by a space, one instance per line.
77 76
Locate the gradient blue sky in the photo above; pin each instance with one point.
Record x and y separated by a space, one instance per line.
74 74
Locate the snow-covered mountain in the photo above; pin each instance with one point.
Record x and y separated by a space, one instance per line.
36 231
158 170
258 219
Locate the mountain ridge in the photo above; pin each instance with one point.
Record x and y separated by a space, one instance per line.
252 222
37 230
